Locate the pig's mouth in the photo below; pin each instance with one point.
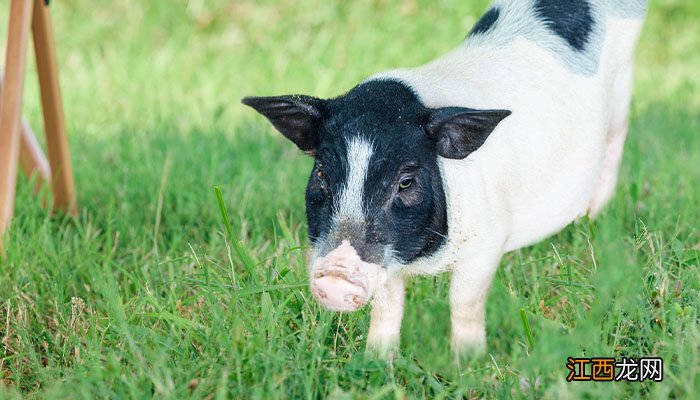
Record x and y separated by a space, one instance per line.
341 281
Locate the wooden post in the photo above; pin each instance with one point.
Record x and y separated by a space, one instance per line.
11 105
31 158
54 121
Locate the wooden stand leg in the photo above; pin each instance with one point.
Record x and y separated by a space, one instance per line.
11 104
31 158
54 120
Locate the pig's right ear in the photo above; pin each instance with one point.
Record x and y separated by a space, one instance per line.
297 117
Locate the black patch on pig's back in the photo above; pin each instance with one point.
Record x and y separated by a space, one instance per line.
571 20
486 22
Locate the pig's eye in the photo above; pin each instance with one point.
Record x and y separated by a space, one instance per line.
405 183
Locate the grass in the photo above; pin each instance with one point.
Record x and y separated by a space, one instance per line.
150 292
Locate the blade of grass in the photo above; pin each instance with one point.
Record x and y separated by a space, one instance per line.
241 252
526 327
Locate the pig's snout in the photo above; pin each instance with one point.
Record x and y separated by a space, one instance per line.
336 293
341 281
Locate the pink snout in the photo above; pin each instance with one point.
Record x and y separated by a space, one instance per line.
341 281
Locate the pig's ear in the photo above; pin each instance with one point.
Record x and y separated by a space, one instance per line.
297 117
460 131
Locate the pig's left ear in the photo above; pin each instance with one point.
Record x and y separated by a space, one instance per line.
297 117
460 131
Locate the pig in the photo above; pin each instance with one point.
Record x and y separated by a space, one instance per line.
445 167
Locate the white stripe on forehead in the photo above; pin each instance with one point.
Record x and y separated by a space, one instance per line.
350 204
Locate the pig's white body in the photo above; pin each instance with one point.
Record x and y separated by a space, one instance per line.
553 160
540 168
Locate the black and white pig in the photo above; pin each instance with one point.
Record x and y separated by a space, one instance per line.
445 167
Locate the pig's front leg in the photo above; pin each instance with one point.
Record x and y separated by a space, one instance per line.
387 312
468 290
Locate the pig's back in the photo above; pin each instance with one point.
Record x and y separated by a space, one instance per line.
539 168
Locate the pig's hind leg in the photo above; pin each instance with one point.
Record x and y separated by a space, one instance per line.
615 143
386 316
608 177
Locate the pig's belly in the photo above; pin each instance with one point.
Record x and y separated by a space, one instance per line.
551 201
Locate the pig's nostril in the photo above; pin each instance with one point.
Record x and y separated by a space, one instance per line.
355 300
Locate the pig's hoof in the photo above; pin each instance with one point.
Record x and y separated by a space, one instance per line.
336 293
465 349
383 347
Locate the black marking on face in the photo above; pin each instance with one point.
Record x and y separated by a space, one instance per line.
486 22
382 129
571 20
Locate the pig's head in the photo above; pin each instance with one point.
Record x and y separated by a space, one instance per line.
375 197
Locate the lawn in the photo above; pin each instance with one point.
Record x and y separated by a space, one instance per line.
149 292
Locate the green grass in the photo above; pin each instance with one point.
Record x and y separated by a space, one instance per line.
151 292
